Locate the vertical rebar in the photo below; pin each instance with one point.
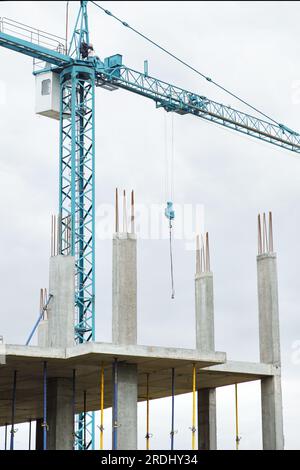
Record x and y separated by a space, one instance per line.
45 406
125 229
173 409
203 267
13 411
117 210
259 236
198 262
271 248
207 255
265 235
132 212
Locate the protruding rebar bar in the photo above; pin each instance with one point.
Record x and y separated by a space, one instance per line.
125 229
265 234
259 236
202 254
207 255
132 212
271 249
117 210
198 268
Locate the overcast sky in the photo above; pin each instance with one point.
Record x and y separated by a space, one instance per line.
252 48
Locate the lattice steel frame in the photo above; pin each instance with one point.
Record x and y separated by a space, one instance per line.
76 205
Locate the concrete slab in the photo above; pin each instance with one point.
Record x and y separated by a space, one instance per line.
87 359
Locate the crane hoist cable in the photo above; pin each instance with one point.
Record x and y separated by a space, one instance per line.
169 210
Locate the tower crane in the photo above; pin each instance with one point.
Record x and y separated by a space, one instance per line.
66 78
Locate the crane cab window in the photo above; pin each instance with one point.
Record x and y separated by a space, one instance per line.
46 87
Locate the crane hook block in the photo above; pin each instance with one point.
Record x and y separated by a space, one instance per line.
169 211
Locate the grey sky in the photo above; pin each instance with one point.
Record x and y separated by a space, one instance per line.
249 47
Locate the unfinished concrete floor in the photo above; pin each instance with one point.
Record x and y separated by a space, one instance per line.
212 371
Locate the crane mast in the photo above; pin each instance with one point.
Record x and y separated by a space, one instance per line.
79 72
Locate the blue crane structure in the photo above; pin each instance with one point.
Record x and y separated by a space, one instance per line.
80 72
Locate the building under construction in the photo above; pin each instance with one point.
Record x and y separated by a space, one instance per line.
58 379
65 378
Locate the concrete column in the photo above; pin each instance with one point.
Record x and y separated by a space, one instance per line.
269 342
127 397
61 306
205 341
124 316
207 419
204 305
61 335
124 331
60 414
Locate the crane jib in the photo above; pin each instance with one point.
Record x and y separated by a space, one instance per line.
173 104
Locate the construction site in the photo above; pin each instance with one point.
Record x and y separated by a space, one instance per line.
61 381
